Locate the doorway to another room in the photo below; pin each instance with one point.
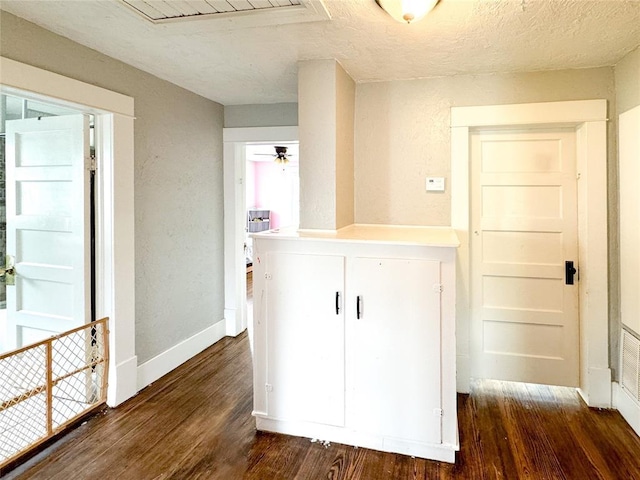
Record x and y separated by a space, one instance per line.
272 196
497 195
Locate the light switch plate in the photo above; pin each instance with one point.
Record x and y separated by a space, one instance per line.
435 184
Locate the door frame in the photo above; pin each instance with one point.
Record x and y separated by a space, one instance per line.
234 161
589 118
115 247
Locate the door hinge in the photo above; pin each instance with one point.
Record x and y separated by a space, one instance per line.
437 412
268 387
93 166
267 276
437 287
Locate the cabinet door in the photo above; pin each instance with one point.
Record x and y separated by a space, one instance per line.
305 355
396 349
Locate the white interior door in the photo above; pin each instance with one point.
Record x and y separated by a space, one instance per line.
524 228
47 188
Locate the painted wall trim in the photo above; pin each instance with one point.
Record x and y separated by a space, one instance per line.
572 112
589 119
627 406
598 393
125 378
115 207
28 78
175 356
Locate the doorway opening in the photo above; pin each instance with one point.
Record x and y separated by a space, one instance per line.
272 195
260 143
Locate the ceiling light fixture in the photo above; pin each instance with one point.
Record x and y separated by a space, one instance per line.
407 10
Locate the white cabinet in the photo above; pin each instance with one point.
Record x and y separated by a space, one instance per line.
395 348
305 338
354 342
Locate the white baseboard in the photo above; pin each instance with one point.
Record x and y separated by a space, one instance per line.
162 364
463 374
627 406
122 381
441 452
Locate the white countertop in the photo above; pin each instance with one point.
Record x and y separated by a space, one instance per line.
396 234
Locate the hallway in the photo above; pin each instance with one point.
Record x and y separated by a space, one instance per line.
195 423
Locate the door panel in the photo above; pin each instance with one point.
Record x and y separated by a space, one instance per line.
305 361
524 227
47 182
396 356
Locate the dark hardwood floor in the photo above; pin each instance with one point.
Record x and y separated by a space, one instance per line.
195 423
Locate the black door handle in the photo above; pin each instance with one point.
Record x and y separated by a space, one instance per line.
358 314
569 272
337 303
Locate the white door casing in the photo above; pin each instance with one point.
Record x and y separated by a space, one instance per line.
234 161
115 217
47 198
589 118
524 228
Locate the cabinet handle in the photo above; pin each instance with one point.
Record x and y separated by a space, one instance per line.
358 300
337 303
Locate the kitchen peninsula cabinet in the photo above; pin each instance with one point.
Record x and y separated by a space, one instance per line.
353 337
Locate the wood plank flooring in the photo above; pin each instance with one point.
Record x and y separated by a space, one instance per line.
195 423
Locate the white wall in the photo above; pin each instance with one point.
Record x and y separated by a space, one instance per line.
627 75
178 186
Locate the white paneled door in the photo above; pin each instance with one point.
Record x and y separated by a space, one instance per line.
524 230
47 188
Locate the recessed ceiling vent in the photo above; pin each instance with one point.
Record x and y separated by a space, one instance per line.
161 11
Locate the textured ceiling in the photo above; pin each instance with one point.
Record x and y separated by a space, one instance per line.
242 63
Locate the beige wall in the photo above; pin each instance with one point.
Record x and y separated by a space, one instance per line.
627 73
326 98
317 131
402 134
345 110
178 185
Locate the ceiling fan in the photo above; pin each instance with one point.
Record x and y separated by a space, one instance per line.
281 156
